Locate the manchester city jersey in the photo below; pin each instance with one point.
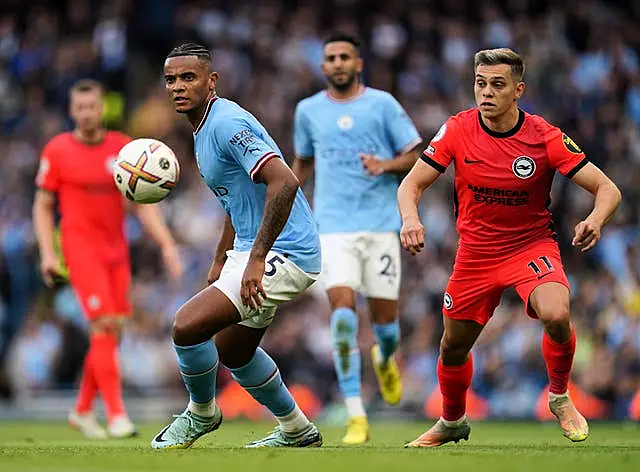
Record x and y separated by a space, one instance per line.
231 148
335 133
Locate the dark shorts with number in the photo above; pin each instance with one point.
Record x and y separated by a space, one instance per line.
477 283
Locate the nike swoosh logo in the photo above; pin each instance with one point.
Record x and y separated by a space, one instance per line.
471 161
544 275
159 437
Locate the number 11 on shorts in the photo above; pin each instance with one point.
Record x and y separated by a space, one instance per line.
546 263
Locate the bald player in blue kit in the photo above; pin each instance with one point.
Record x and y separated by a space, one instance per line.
268 254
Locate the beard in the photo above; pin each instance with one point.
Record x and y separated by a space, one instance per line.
342 86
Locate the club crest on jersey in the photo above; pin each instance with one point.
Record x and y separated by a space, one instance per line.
440 133
570 144
448 301
345 122
523 167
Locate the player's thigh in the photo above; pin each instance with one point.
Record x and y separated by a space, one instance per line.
120 284
283 281
341 261
472 293
382 267
537 266
90 280
237 344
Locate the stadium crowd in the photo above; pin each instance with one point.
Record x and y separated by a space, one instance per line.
583 74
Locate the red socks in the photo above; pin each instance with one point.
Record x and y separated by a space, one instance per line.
88 387
559 359
454 383
102 362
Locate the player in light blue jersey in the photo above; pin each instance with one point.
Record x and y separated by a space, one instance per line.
269 253
357 139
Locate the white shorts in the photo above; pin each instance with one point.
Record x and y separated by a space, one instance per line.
282 281
368 263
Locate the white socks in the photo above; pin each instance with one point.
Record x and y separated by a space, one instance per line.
294 421
206 410
454 424
355 407
555 396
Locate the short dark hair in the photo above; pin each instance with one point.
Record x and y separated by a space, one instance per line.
87 85
339 36
492 57
191 49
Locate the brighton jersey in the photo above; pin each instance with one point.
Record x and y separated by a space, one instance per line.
503 180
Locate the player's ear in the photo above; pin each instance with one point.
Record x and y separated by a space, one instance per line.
520 86
213 79
359 65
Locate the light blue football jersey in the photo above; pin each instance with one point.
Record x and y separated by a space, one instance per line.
231 147
335 133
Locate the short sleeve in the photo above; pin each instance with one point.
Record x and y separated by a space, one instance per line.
564 154
400 129
440 151
48 177
246 146
302 142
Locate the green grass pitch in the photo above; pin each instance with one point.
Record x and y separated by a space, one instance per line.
493 447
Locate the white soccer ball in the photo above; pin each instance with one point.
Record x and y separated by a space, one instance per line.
146 170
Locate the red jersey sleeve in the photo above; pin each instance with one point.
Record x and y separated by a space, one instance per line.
564 154
48 177
440 151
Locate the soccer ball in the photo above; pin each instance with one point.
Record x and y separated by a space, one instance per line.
146 170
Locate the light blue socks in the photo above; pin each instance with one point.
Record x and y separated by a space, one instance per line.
346 355
387 336
198 366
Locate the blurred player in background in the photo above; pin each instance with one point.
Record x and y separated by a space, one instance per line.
357 139
505 160
269 253
76 170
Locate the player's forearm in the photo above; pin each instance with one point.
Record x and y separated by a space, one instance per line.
607 200
408 197
302 169
279 200
226 241
43 226
402 163
154 224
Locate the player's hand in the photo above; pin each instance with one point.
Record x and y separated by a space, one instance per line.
172 262
587 234
251 291
372 164
215 270
49 268
412 235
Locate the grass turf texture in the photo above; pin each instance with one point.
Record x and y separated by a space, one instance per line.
493 447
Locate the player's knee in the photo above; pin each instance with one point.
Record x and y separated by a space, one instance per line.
182 330
452 351
107 324
344 327
554 313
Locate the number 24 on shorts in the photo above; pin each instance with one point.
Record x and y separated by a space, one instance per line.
535 267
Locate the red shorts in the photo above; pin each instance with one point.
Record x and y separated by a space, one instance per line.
477 283
101 288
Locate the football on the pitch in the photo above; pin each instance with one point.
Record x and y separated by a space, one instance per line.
146 170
